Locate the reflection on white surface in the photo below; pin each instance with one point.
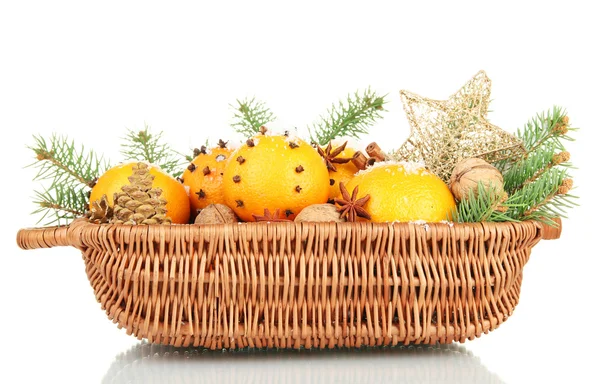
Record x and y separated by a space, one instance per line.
147 363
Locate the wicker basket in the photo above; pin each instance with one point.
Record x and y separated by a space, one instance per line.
308 285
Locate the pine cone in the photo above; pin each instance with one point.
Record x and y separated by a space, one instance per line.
138 202
100 212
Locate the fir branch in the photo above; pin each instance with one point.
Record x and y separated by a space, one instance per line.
69 172
558 159
351 117
550 126
62 203
145 146
61 161
546 132
544 198
528 169
538 183
556 206
486 205
250 115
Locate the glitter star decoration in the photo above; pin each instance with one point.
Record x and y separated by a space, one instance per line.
443 132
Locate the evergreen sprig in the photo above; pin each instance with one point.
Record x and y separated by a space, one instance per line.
538 184
549 127
485 205
145 146
70 172
60 160
540 181
351 117
544 198
529 169
62 203
250 115
544 133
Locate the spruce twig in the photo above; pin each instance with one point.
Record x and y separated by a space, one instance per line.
146 146
62 203
538 184
250 115
545 198
540 181
528 169
351 117
70 171
60 160
547 127
486 205
546 130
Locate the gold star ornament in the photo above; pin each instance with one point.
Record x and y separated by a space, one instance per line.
445 132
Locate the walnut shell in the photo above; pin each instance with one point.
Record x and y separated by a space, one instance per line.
319 213
469 172
216 214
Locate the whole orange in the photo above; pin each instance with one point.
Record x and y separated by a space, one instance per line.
178 204
403 192
204 177
274 173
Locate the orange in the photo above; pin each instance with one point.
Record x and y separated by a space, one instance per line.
403 192
204 177
274 172
178 203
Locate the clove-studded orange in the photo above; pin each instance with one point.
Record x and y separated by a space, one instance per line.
276 173
204 176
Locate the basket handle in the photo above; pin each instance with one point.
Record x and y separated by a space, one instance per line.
48 237
552 233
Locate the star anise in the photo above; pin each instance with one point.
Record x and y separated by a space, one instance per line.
268 216
350 206
330 155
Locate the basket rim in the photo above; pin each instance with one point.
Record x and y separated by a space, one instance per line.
71 234
449 224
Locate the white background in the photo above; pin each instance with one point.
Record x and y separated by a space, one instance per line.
90 70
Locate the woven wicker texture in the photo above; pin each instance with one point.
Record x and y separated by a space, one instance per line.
308 285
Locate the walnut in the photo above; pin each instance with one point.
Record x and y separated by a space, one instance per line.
469 172
319 213
216 214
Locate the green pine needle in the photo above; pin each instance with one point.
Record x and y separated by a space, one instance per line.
69 172
349 118
250 115
548 129
483 207
536 183
529 168
61 203
543 128
146 146
60 160
540 199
